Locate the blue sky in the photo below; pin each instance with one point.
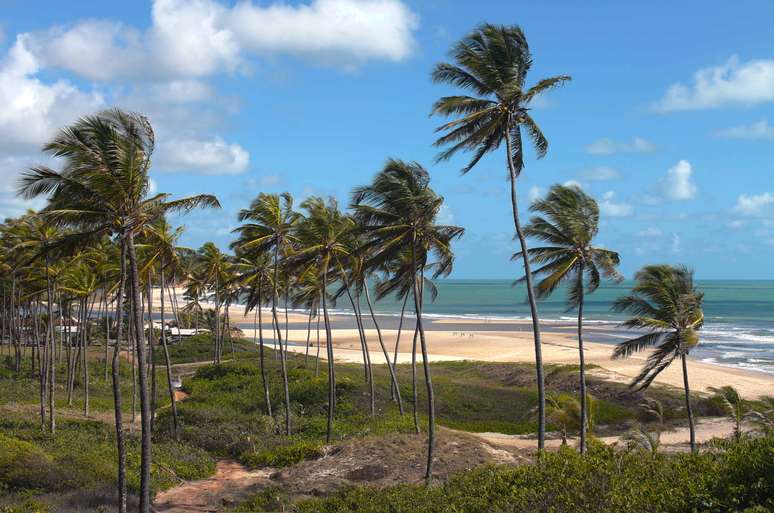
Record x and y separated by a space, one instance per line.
668 121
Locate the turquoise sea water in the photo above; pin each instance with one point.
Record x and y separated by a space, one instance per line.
738 331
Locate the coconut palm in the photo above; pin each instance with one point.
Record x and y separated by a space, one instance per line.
493 62
668 307
213 265
269 227
321 237
398 210
103 189
566 223
733 405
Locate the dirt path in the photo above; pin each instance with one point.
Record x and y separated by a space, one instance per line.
230 484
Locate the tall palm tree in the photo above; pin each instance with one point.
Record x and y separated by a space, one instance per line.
668 307
268 227
103 189
493 62
213 266
321 239
398 210
567 221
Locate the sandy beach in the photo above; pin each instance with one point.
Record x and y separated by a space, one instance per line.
499 340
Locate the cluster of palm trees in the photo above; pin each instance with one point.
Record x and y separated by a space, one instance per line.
103 242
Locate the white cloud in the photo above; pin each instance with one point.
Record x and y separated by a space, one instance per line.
198 38
573 183
534 193
203 156
676 247
678 183
651 232
609 207
754 205
760 130
746 83
607 146
445 215
600 173
10 204
32 110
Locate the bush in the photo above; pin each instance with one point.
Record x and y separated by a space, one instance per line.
283 455
730 477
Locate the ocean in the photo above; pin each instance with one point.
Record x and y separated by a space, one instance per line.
739 315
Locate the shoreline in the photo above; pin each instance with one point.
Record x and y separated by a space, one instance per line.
453 339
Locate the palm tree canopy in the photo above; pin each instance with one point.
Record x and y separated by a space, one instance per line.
492 62
668 307
398 210
566 223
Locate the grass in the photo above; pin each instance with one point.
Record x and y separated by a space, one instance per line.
199 348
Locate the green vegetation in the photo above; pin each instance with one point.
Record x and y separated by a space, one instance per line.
730 477
199 348
82 457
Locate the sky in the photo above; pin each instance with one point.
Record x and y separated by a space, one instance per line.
668 120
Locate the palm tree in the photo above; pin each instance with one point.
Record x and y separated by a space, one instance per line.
493 62
269 228
666 304
567 222
103 189
255 280
398 210
213 266
321 237
733 405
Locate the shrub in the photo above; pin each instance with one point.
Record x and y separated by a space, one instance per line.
283 455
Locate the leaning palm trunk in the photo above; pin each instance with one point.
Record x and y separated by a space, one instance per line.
514 174
425 366
688 407
168 363
397 339
317 356
266 395
364 348
151 355
331 370
308 335
85 362
414 379
282 352
390 366
50 344
145 418
582 365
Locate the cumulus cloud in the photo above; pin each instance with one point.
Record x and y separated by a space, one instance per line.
731 83
758 131
678 183
31 109
203 156
573 183
609 207
600 173
755 204
198 38
606 146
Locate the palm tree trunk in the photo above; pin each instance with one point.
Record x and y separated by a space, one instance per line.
145 439
397 339
363 347
283 353
331 370
425 366
317 356
266 395
85 361
107 326
168 363
50 343
151 354
308 336
390 366
688 407
582 365
115 368
414 379
217 318
514 173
